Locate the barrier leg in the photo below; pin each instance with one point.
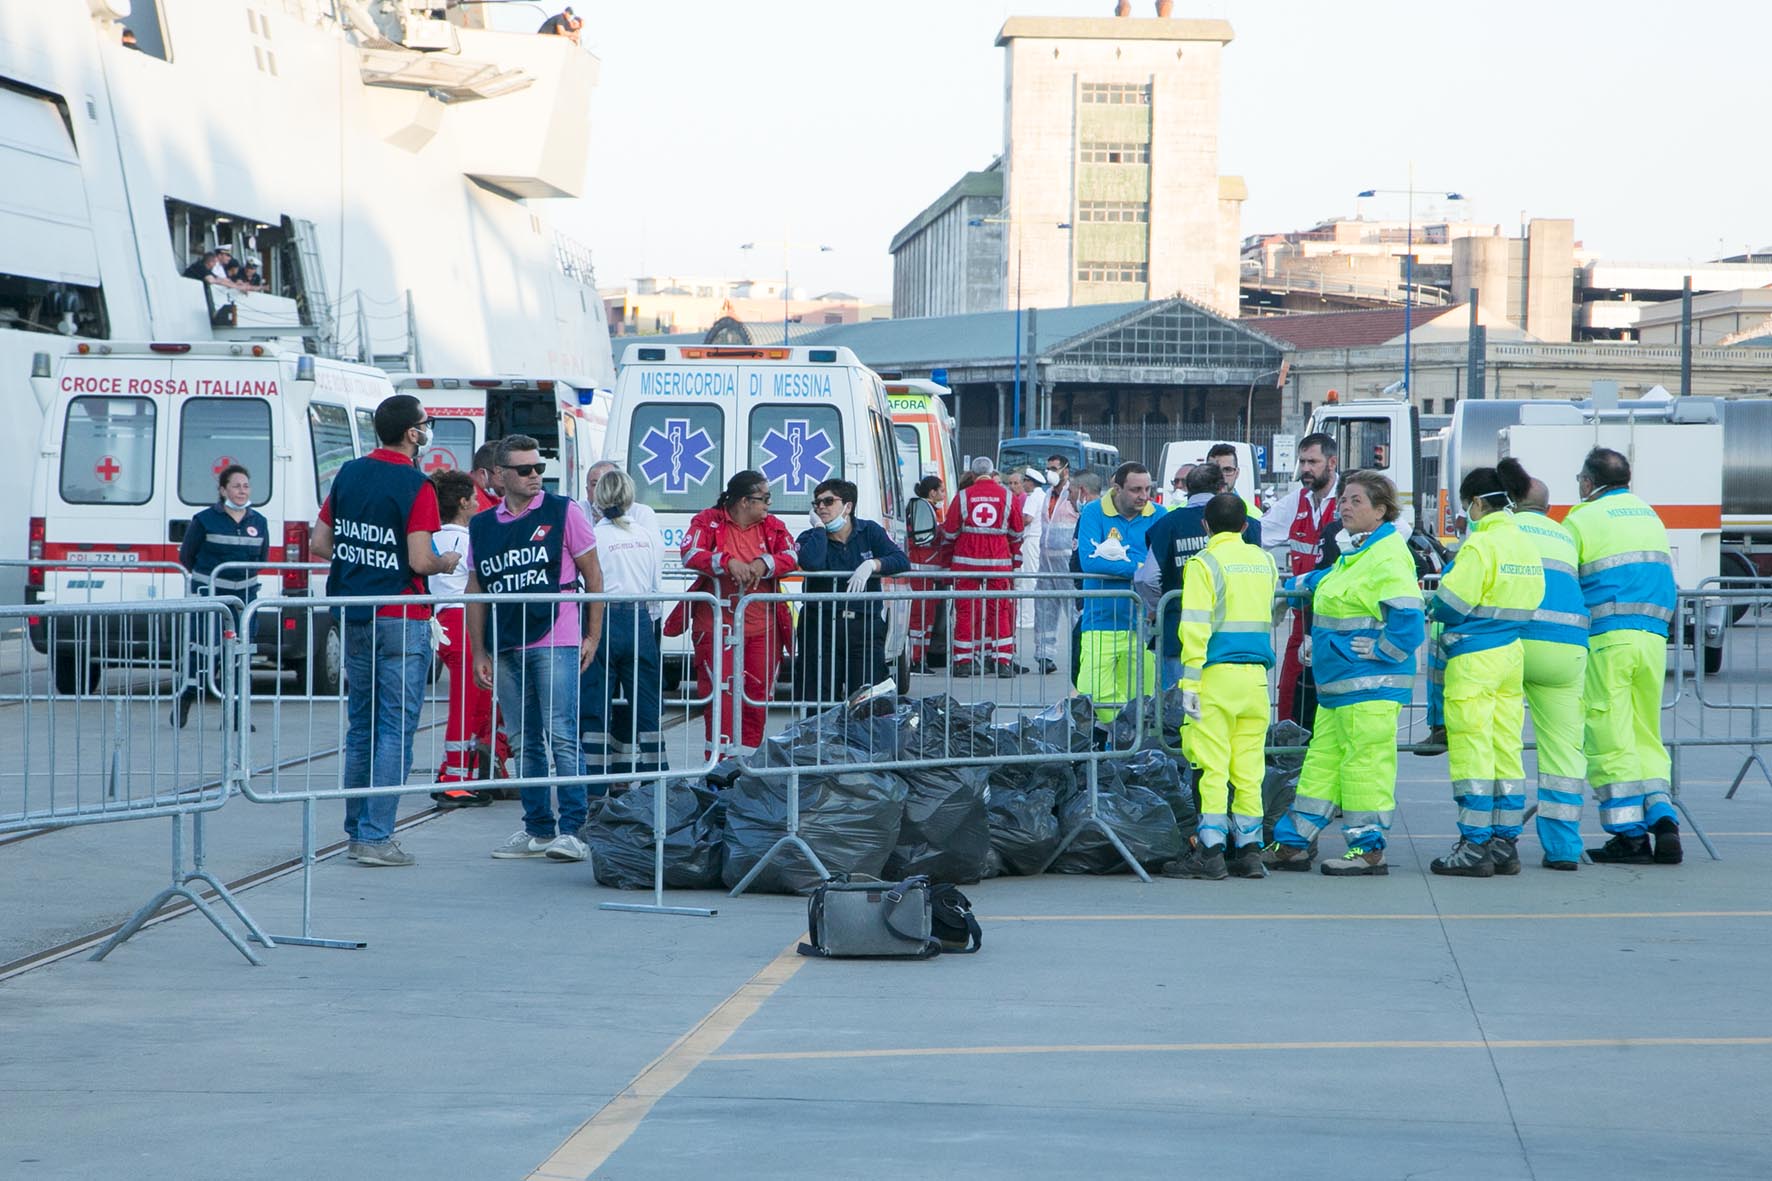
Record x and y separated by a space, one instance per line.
200 874
307 938
1094 820
790 840
178 889
1753 760
1674 796
660 821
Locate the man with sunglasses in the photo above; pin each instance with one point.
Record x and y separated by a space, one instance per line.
536 542
375 528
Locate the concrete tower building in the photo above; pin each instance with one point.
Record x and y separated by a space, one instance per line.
1108 187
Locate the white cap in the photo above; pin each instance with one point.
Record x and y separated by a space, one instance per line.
1033 475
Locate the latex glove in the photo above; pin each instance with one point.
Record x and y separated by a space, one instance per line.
858 582
1111 550
1304 652
439 637
1365 647
1190 703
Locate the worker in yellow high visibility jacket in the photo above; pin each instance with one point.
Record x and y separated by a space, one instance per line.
1483 601
1627 582
1227 604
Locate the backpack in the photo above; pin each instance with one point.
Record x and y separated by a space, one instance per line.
866 918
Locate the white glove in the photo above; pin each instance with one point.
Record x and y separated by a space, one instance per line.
1190 703
1304 652
439 637
1111 550
1365 647
858 582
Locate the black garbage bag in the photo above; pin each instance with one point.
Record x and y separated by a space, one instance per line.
938 727
725 774
621 838
1280 785
1024 828
1142 819
1161 723
945 833
1166 775
1065 725
849 817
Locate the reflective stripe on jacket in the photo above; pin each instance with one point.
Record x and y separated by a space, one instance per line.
1227 605
1623 561
1561 617
1493 588
1370 592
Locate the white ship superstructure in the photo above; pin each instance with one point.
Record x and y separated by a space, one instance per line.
374 162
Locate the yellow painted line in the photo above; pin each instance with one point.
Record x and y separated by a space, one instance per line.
595 1140
1371 918
1602 1043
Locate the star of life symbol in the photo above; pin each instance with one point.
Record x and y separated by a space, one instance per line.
676 456
796 456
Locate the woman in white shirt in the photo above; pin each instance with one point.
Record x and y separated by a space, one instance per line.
619 693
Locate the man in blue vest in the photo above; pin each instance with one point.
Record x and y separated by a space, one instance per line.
536 543
376 528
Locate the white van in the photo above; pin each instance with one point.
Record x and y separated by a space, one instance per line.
569 421
687 418
1194 451
133 437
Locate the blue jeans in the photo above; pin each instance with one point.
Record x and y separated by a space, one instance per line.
387 664
538 695
622 737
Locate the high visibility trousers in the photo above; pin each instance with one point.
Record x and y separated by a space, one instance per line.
1626 762
1554 676
1115 669
984 620
1052 617
467 726
1485 724
1227 746
1436 679
1351 763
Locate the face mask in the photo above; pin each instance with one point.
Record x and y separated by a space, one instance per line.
836 525
424 438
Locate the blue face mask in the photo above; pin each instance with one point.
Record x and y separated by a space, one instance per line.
836 525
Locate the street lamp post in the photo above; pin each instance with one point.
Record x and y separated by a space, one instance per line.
786 278
1408 266
984 221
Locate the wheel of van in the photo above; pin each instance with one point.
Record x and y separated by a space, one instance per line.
1734 565
1713 661
902 673
74 673
326 658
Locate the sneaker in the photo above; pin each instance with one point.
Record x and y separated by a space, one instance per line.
1357 863
1467 860
1048 666
1505 853
1667 842
1288 857
385 853
1008 668
353 850
565 847
1623 850
1245 862
1203 862
1550 862
521 844
1433 744
181 709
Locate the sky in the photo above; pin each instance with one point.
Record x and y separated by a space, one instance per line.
835 122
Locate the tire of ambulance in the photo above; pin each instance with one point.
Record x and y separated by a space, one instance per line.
1713 661
75 673
901 672
1737 565
326 659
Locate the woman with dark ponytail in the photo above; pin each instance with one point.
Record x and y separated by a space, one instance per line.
737 548
1484 600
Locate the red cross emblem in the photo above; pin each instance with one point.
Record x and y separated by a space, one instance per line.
439 460
221 463
107 468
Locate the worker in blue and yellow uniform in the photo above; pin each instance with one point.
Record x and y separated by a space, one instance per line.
1482 603
1227 647
227 532
1555 643
1366 623
1111 541
1627 582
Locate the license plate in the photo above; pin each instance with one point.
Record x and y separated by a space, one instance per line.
104 558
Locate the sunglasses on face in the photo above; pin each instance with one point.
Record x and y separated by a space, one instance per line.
827 502
526 469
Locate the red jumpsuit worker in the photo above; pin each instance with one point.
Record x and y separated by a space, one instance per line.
736 548
1295 530
984 527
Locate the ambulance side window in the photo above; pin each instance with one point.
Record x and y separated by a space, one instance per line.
366 440
452 446
108 451
886 454
796 448
330 427
216 432
677 455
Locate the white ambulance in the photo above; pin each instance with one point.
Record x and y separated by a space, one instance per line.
133 438
569 420
687 418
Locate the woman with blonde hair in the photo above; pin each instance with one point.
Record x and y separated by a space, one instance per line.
619 692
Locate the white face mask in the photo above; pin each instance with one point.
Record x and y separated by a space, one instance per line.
424 437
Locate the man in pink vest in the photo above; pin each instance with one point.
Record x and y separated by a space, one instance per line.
1294 531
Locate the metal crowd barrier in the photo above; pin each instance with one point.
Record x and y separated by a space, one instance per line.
106 753
1731 696
1018 692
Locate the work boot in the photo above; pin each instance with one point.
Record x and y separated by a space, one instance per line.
181 709
1008 668
963 668
1667 842
1433 744
1289 858
1505 853
1358 863
1467 860
1623 850
1550 862
1204 862
1245 862
934 661
1048 666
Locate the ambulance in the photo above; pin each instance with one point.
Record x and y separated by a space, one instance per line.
133 437
687 418
924 433
570 422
